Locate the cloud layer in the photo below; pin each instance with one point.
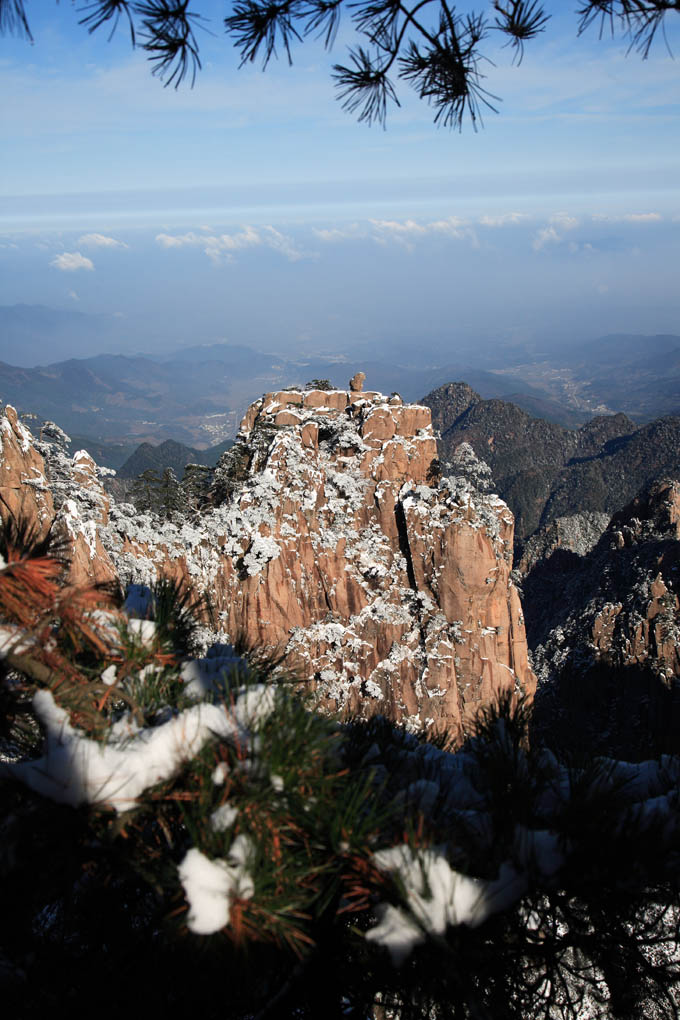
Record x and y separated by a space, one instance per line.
221 247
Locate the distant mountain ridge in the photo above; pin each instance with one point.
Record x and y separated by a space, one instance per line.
201 402
170 454
197 394
545 471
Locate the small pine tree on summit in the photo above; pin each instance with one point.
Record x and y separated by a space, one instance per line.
145 492
195 485
170 495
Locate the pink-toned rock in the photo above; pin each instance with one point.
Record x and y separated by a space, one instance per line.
309 435
24 488
386 594
410 418
23 483
286 418
337 399
378 425
364 396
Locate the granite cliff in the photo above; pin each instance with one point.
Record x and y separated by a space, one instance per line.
333 540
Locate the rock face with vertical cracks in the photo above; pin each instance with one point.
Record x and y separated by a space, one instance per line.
58 494
337 544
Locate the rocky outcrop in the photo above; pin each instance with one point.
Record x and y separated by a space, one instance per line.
42 486
338 546
605 626
578 534
448 403
545 471
23 485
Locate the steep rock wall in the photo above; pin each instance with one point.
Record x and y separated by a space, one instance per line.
55 493
342 549
339 546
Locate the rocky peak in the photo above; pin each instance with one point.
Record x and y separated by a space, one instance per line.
449 402
339 545
23 484
545 471
654 513
592 437
577 533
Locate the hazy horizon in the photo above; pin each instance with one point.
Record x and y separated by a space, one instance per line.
252 210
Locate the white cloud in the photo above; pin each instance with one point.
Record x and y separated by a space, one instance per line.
332 234
74 297
564 221
222 246
510 219
100 241
546 235
177 241
405 232
71 261
553 233
650 217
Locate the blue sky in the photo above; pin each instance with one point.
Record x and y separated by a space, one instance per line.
254 209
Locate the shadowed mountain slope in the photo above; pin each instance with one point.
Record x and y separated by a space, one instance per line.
545 471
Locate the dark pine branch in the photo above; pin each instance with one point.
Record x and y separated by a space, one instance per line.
434 43
365 87
103 12
640 20
260 25
13 19
167 30
520 20
323 20
446 73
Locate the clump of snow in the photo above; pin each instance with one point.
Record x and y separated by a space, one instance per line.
223 817
372 689
436 896
210 886
77 770
144 630
262 550
77 525
108 677
467 464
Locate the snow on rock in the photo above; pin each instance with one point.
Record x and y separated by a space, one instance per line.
40 483
21 467
339 547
